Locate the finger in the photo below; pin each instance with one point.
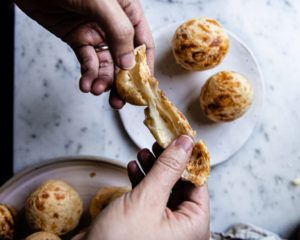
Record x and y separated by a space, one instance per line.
115 100
89 67
83 39
167 170
105 73
143 36
79 236
197 207
119 31
134 11
146 159
198 195
157 149
180 192
134 173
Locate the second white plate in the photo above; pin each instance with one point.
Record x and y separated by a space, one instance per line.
183 88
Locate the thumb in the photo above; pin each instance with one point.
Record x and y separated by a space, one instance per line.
167 170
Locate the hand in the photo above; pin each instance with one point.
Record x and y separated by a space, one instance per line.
149 211
87 24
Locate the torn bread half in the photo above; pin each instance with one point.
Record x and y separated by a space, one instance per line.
138 87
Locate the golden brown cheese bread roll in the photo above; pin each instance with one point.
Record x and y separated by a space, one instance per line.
7 222
53 207
42 236
162 118
226 96
200 44
104 197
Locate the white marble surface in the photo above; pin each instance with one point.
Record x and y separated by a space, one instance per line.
53 118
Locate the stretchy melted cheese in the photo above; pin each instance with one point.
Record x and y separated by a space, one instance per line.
162 118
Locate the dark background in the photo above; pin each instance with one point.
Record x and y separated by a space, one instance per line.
6 70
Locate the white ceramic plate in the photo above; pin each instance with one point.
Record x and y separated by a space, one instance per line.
86 174
183 88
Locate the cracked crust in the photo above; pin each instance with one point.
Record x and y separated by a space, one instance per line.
162 118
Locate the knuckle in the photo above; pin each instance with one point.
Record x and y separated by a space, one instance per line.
133 11
126 4
85 69
82 35
87 65
105 60
87 60
170 162
124 33
150 45
105 76
104 63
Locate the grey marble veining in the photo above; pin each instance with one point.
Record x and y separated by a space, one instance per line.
53 118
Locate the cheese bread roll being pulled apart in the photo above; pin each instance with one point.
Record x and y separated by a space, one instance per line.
163 119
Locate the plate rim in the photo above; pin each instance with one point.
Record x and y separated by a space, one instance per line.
61 160
262 83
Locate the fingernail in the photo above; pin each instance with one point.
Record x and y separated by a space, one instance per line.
184 142
127 61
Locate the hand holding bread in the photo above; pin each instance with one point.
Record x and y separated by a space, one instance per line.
160 206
